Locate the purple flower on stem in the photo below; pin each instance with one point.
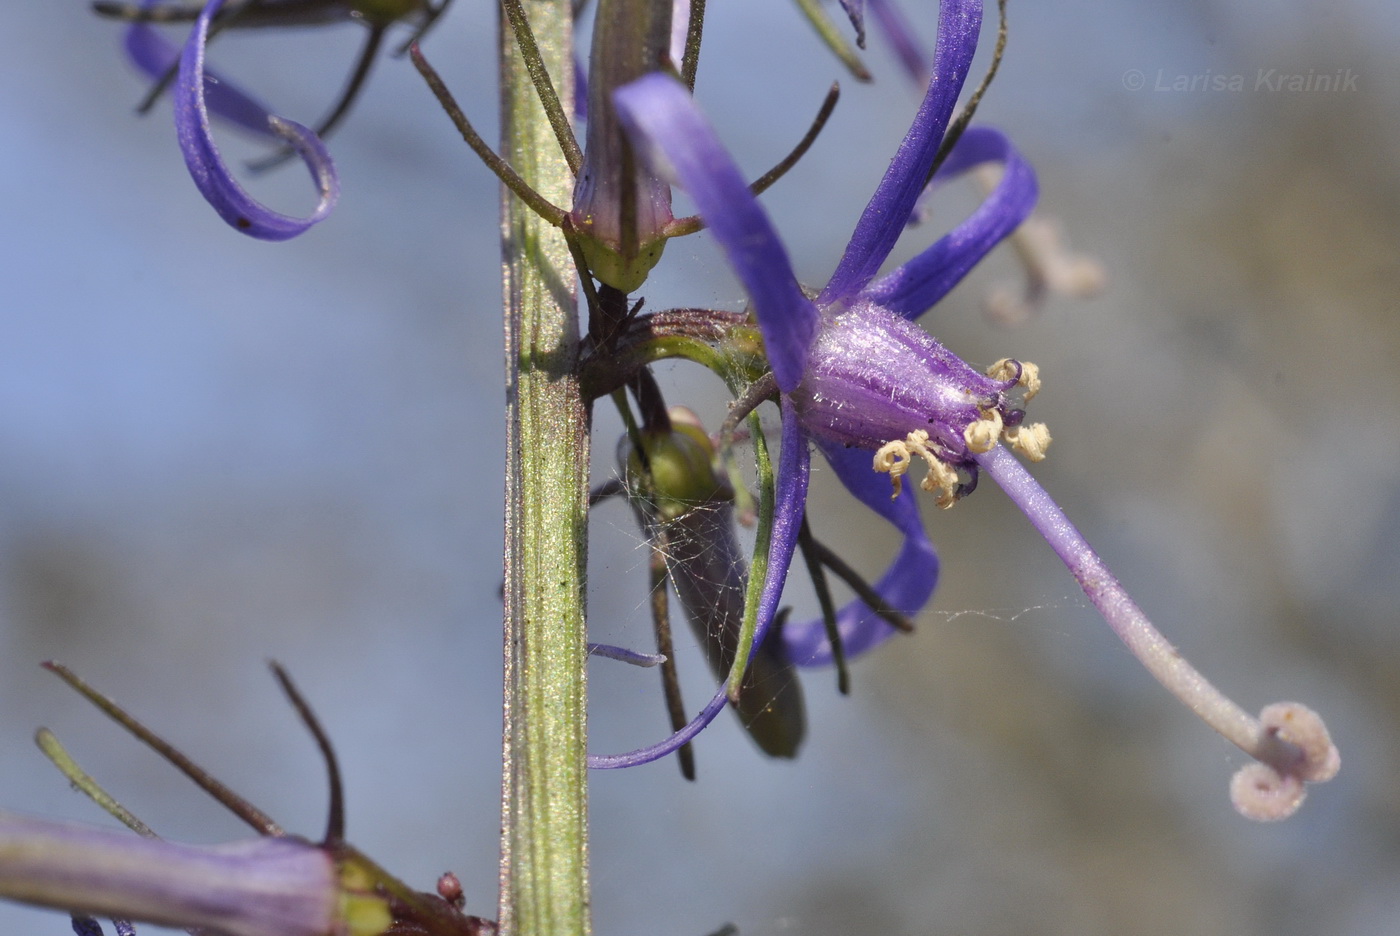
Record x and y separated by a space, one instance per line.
198 92
855 375
263 887
804 337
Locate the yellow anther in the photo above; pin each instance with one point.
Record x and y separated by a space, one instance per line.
981 435
1031 441
893 459
944 480
1029 377
1004 369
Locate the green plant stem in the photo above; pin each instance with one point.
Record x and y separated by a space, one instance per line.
544 839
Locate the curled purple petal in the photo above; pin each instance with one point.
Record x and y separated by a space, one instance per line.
913 288
207 168
906 586
900 36
154 55
668 131
959 23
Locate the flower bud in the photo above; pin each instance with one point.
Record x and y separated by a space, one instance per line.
687 509
620 207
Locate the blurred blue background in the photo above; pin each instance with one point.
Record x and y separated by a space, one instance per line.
214 451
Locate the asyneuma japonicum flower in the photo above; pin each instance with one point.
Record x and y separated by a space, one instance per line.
261 887
276 885
855 376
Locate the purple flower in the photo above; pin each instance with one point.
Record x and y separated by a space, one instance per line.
199 91
833 391
264 887
855 375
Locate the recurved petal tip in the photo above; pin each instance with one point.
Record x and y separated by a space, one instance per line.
212 177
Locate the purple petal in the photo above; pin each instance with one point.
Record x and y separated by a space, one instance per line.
906 586
914 287
277 886
207 168
625 655
657 751
580 91
959 22
855 12
86 926
153 54
668 131
901 36
790 497
790 501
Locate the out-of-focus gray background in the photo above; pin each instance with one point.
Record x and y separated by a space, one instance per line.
214 451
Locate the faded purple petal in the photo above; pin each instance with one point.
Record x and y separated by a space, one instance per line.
580 91
913 288
900 36
855 11
959 23
207 168
669 131
906 586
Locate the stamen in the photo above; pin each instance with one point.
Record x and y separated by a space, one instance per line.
945 481
1031 441
895 457
981 435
